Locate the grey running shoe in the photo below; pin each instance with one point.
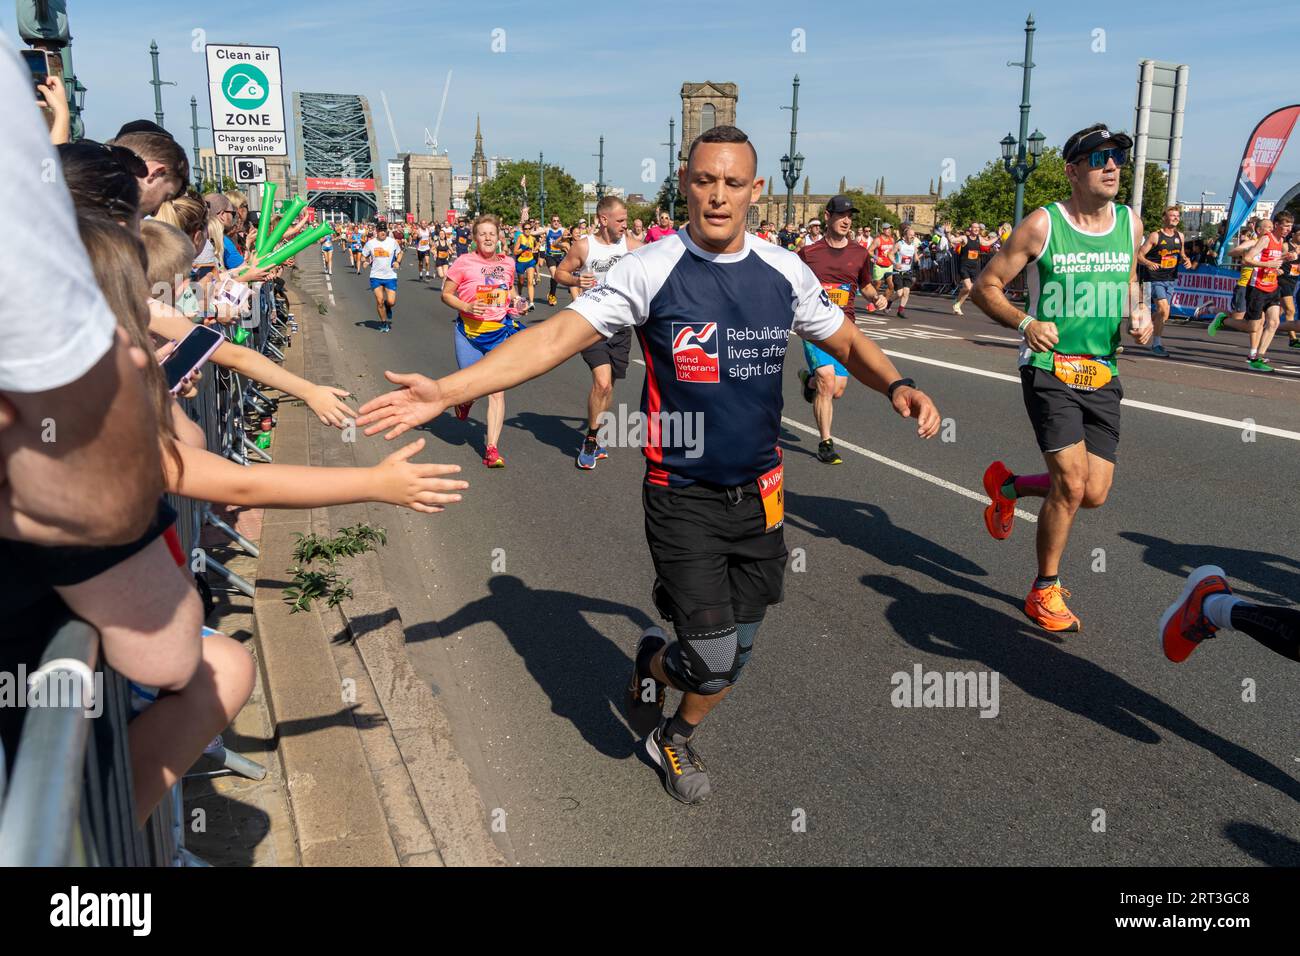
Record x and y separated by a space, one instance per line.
644 699
684 776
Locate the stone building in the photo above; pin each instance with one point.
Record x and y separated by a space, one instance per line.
705 105
916 208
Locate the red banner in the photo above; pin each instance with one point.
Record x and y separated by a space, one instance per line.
1263 150
451 217
341 185
311 213
410 217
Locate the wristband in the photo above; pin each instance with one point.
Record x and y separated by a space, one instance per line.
901 383
1024 324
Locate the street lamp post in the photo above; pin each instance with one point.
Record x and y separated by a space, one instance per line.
1200 223
671 181
1020 156
195 127
541 188
600 172
792 162
157 84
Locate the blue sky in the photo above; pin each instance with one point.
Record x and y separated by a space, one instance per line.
886 89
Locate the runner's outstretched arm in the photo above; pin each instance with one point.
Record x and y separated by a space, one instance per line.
870 366
536 350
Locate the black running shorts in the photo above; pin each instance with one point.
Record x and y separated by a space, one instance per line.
903 280
710 553
613 351
1257 302
1063 416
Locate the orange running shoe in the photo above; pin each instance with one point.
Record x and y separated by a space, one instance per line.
1001 514
1046 608
1184 625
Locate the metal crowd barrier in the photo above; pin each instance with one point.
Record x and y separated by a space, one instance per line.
225 404
940 277
70 800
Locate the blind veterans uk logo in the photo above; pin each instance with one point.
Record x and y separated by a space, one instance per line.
695 351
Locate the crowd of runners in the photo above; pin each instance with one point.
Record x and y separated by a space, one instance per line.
713 520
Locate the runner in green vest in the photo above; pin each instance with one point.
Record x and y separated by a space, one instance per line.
1082 259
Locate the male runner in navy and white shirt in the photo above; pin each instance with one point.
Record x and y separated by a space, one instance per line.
713 308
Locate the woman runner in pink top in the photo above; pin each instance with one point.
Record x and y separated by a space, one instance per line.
479 287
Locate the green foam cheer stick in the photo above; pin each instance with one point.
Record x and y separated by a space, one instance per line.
264 220
294 246
290 214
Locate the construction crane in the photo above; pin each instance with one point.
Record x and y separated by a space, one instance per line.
431 139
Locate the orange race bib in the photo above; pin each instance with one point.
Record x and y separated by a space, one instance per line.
1086 373
493 296
840 294
1168 260
771 486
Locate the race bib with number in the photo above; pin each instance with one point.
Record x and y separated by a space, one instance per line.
771 486
1168 260
840 294
493 296
1086 373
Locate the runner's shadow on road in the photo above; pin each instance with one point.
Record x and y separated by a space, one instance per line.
564 433
369 324
450 430
789 441
951 625
1275 577
1268 846
869 528
581 670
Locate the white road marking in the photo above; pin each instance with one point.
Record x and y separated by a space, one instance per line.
999 338
1212 368
936 328
906 469
332 298
1131 402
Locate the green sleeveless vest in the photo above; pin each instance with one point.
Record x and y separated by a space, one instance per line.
1082 285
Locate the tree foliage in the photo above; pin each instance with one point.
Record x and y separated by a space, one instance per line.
869 209
989 196
211 186
503 196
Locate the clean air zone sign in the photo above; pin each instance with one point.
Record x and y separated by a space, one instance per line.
247 102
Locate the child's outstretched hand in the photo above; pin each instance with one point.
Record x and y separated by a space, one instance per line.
416 486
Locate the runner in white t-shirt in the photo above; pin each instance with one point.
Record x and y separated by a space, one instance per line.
904 260
423 243
383 254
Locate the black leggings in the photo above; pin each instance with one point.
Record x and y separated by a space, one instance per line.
1277 628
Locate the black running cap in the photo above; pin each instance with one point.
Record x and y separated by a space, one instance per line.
840 204
1081 144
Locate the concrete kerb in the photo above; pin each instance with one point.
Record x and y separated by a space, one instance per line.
334 800
437 776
